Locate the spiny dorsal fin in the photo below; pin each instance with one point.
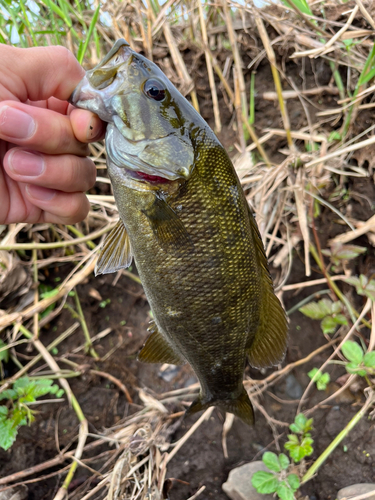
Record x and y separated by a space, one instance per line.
167 227
157 349
268 346
115 253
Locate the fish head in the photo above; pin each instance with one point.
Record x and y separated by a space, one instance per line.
152 129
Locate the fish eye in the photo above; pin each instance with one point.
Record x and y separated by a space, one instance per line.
154 89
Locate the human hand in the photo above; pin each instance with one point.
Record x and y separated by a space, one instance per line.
44 171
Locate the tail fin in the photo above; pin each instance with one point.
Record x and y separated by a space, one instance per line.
241 407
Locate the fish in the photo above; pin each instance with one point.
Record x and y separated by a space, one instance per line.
185 221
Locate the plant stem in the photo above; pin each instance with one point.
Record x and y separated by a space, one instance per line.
88 346
59 244
354 421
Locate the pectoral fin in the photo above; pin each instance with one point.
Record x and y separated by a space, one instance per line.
157 349
167 227
267 347
116 253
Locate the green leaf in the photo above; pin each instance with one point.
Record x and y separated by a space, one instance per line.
323 381
313 372
302 5
293 438
352 280
4 352
328 325
317 310
271 461
354 368
337 307
334 136
94 20
264 482
284 491
352 351
340 318
284 461
293 481
369 359
347 252
8 433
8 394
301 422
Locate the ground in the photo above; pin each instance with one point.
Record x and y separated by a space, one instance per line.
123 308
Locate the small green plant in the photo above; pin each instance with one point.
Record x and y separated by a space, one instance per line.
339 253
321 379
328 312
299 444
104 303
358 362
363 285
17 412
280 479
45 292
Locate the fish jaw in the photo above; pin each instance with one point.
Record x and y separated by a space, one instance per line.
114 90
90 94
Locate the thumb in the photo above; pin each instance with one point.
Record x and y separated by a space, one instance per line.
38 73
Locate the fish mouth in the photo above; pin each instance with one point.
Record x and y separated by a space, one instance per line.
89 92
149 179
126 155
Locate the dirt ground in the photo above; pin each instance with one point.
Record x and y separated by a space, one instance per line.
201 460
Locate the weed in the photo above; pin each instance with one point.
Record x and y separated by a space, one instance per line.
280 479
363 285
321 379
360 363
17 412
328 312
340 253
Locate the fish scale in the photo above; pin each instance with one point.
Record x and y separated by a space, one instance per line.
185 220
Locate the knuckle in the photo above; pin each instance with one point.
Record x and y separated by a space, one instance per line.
90 176
64 56
79 208
79 174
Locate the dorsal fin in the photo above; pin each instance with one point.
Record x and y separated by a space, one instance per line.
115 253
267 347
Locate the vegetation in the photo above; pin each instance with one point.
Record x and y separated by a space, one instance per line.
299 149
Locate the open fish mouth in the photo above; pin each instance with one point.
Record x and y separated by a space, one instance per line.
140 158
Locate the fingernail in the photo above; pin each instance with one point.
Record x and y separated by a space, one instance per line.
25 163
15 123
40 193
95 128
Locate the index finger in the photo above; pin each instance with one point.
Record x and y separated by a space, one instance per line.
37 73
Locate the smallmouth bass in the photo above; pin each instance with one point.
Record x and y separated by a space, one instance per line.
185 220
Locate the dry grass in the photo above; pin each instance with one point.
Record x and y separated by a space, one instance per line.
286 188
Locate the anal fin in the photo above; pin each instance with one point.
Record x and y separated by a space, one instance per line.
157 349
115 253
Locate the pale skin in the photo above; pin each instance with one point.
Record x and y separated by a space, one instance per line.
44 169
